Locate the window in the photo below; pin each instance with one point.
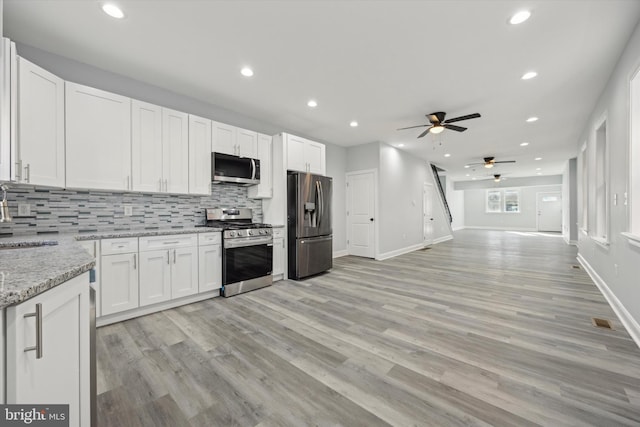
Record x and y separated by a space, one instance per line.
601 185
511 201
584 189
503 201
494 201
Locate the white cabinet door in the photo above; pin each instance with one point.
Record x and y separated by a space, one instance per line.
98 138
119 283
146 146
175 143
224 138
210 268
199 155
40 125
296 153
93 247
278 256
264 190
247 143
184 272
155 277
314 153
61 375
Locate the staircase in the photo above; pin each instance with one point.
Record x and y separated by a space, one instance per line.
436 177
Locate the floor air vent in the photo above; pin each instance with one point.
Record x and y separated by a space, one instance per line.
601 323
577 267
425 249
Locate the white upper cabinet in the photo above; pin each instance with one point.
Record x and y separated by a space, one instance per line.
264 190
305 155
146 146
98 139
247 143
175 143
199 155
224 138
40 125
235 141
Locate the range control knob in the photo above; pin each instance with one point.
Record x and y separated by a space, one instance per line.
250 232
232 234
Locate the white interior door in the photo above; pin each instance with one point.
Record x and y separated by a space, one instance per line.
427 214
549 212
361 213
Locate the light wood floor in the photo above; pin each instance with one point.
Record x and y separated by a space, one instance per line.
492 328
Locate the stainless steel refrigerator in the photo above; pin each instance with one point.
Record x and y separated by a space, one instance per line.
309 224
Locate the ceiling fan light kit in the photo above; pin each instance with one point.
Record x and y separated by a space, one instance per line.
439 124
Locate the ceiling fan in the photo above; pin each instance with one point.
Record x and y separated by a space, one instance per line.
438 123
489 162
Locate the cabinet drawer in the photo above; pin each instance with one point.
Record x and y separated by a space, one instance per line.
173 241
278 232
119 246
209 238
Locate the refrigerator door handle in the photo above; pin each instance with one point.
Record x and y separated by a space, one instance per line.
321 203
318 204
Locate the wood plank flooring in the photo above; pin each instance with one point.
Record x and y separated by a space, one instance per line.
491 328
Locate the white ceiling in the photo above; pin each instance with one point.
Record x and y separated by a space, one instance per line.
383 63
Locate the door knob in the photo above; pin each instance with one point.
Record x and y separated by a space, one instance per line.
371 219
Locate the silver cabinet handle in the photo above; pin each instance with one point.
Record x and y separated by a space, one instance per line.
160 184
174 256
283 243
27 173
38 316
95 248
166 185
171 243
168 261
135 261
18 170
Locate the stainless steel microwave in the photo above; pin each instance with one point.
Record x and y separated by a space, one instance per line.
239 170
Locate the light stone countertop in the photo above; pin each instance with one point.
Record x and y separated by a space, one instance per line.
30 265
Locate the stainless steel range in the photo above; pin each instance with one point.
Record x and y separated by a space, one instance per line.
247 250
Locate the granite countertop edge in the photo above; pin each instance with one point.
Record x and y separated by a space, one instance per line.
31 265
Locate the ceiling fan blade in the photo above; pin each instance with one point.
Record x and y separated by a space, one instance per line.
436 117
467 117
506 161
472 164
456 128
411 127
424 133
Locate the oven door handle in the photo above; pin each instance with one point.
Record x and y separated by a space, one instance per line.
248 242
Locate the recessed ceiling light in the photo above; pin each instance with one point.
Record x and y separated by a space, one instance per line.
529 75
538 169
113 11
400 145
353 124
312 103
539 173
524 144
467 175
447 155
467 166
520 17
538 158
473 179
532 119
247 72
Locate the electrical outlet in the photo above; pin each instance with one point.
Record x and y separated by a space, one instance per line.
128 210
24 209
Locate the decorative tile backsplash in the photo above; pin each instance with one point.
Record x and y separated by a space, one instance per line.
55 210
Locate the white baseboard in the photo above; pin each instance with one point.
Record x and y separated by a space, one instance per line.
570 242
476 227
629 323
442 239
338 254
458 228
401 251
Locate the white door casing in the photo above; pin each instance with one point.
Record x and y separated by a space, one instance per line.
549 211
361 215
427 214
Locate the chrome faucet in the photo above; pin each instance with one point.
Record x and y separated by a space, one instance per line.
5 216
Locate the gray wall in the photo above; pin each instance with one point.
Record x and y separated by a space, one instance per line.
617 264
402 177
570 201
363 157
475 214
336 166
455 198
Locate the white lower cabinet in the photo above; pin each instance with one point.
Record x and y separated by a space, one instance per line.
184 272
119 275
278 253
93 247
155 277
56 371
210 262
